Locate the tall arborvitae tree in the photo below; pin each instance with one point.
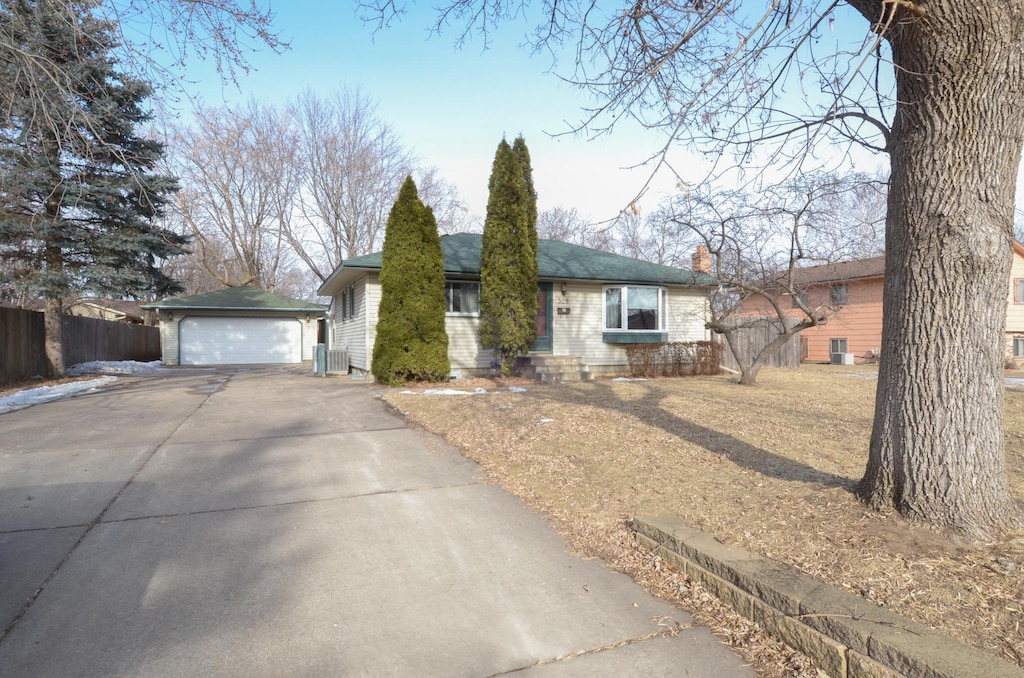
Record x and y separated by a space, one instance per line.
508 265
529 277
411 342
78 195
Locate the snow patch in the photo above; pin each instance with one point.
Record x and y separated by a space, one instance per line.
445 391
115 367
628 379
45 394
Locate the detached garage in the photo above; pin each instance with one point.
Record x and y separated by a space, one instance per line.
237 326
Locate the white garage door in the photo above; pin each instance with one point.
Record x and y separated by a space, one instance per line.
239 341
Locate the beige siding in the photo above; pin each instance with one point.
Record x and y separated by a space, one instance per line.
464 352
355 333
579 333
308 337
1014 306
169 338
687 313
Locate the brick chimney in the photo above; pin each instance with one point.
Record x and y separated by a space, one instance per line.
701 260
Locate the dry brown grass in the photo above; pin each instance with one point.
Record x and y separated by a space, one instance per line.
768 468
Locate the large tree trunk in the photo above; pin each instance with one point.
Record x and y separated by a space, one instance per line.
53 317
937 443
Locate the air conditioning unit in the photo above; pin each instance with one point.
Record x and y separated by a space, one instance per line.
842 358
337 361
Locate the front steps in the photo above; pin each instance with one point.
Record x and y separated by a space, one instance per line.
552 369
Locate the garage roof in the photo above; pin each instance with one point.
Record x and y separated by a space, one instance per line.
245 298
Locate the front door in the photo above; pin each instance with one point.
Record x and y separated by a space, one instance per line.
543 343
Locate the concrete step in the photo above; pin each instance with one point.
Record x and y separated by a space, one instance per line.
553 369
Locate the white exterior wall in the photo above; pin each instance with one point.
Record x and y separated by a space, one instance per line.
464 352
169 338
357 333
580 332
577 334
169 330
687 312
308 337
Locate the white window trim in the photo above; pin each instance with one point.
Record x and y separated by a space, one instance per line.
463 314
662 308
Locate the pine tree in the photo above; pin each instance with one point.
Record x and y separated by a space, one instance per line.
411 341
508 266
78 191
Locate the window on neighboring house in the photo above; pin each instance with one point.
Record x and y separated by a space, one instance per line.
799 297
1018 290
352 302
838 346
344 305
634 308
1018 347
837 295
462 297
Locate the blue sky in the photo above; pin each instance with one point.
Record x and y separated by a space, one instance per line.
451 106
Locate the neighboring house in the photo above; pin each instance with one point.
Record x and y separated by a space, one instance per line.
237 326
851 293
121 310
591 305
1015 306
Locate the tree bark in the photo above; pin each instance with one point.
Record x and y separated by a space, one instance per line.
54 333
936 449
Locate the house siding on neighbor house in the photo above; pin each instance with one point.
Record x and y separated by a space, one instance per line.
577 318
1015 307
857 323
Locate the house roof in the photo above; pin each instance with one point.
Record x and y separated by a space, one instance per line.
555 261
845 270
243 298
128 307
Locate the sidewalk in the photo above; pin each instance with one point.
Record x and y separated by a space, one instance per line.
268 523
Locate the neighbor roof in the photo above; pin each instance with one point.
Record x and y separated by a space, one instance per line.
842 271
555 261
245 298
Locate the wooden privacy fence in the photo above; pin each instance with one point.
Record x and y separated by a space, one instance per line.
752 335
23 345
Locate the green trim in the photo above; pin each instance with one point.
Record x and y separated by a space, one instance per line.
627 337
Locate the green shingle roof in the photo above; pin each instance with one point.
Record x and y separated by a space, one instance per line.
243 298
555 261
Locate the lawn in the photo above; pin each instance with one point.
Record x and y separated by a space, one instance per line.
768 468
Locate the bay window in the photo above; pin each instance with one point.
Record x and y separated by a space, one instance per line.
634 314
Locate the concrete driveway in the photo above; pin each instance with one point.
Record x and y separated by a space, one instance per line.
263 522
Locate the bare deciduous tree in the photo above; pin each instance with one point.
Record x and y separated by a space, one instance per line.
566 225
653 237
760 245
351 164
936 86
238 176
